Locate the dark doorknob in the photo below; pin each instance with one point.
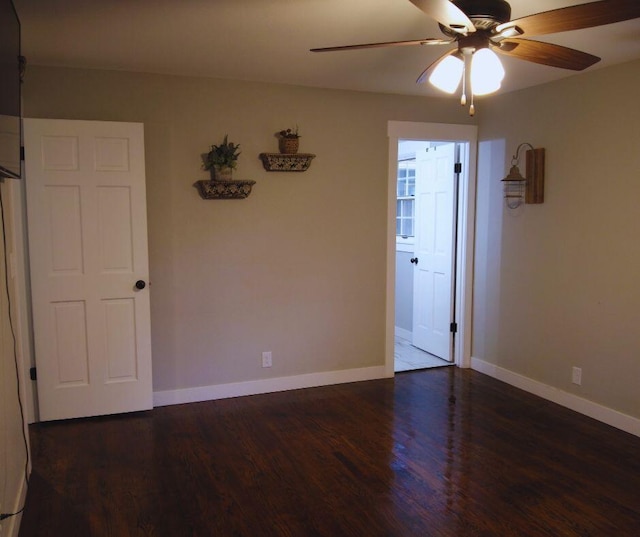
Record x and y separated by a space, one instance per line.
414 260
140 284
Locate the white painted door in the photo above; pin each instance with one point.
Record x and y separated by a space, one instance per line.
86 211
434 250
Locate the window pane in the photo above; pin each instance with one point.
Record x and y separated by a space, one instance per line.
405 191
402 187
403 208
409 228
408 208
411 186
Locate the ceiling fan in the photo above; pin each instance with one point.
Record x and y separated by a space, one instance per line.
480 27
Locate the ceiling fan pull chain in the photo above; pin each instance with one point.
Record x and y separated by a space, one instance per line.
463 97
472 108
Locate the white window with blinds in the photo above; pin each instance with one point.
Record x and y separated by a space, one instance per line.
405 203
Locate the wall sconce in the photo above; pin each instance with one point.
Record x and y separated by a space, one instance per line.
527 189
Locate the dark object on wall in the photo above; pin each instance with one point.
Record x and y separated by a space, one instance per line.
11 67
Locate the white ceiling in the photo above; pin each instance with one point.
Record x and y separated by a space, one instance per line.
269 40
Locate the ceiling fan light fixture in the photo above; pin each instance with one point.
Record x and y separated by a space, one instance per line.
477 25
447 74
487 72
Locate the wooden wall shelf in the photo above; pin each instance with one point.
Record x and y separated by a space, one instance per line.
535 182
224 190
286 162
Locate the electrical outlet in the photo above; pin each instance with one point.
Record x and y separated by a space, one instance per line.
266 359
576 376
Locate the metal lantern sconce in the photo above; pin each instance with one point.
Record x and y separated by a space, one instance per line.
527 189
514 187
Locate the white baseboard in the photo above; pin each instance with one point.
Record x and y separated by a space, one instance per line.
254 387
601 413
404 333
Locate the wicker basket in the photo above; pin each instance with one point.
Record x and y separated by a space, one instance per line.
289 146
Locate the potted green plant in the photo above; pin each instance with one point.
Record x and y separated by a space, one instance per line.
289 140
222 159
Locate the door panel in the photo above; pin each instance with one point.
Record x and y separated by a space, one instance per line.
115 229
69 343
65 243
434 248
86 208
119 316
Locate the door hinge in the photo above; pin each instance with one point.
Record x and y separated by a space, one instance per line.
457 167
453 328
33 373
22 152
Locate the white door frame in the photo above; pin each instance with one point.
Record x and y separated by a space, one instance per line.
466 134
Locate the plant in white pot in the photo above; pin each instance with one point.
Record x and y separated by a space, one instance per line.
222 159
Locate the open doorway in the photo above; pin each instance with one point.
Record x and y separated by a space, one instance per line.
426 208
438 266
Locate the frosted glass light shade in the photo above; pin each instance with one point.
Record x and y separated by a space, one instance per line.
447 74
486 72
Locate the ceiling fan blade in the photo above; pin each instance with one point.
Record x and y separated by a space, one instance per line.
547 54
447 14
425 41
423 76
575 17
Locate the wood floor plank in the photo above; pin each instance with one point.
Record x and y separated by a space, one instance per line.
443 453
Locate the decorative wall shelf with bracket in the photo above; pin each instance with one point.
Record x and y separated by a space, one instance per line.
224 190
286 162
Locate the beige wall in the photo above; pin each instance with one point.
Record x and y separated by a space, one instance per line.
298 268
12 448
557 283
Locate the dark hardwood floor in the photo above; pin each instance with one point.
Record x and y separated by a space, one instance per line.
380 458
